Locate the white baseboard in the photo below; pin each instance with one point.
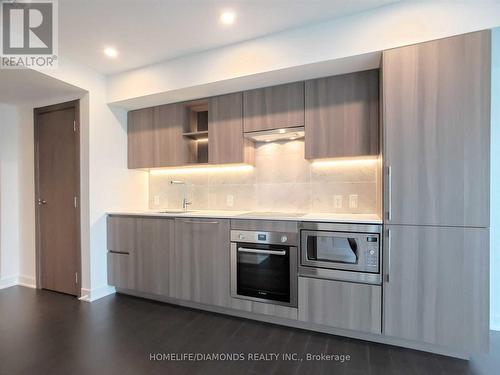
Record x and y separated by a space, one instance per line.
26 281
91 295
495 322
7 282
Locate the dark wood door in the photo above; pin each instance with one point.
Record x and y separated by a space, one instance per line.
57 194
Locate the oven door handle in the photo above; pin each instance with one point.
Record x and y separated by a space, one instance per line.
258 251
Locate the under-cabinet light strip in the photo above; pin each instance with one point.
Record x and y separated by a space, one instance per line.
203 169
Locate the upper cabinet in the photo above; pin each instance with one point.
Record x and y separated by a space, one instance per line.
141 138
225 128
436 99
274 107
342 116
155 137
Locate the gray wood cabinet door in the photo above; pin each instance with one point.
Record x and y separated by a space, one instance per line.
225 129
341 305
141 138
274 107
202 261
121 234
342 115
169 146
140 254
437 287
436 99
120 271
153 256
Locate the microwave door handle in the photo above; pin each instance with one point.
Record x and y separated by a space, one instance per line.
354 246
311 247
258 251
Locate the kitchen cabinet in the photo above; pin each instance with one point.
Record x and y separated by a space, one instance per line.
273 107
140 254
170 147
120 271
155 137
342 116
226 143
202 261
141 138
436 99
121 234
341 304
153 256
436 285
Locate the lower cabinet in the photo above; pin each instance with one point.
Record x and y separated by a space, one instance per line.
436 285
202 261
120 271
152 258
140 254
340 304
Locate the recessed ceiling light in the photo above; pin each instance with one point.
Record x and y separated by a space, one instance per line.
227 17
282 131
268 140
110 52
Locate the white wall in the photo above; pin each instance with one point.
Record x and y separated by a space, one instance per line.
379 29
26 175
9 196
495 185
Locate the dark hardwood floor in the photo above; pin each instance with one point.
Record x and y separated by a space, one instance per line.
43 332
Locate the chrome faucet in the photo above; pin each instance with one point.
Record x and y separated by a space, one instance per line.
185 202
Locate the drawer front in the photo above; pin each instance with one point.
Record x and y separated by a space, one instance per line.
121 232
342 305
120 271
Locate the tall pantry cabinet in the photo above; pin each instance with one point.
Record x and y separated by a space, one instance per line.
436 113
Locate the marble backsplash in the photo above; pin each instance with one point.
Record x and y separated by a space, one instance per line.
282 180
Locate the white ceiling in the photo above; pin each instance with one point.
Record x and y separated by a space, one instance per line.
148 31
29 87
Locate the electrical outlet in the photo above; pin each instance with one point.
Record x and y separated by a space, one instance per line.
337 201
229 200
156 200
353 201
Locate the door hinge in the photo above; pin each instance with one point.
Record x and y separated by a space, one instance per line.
76 202
74 126
76 278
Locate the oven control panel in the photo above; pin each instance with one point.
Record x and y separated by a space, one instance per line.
276 238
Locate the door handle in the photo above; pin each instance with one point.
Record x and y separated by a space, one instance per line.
257 251
41 201
389 192
388 255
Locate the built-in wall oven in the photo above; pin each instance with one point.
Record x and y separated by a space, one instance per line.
264 266
346 252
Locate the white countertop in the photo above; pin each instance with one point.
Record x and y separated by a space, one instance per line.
251 215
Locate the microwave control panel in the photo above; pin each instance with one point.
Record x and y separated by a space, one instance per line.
372 251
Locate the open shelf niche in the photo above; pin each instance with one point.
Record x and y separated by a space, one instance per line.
196 131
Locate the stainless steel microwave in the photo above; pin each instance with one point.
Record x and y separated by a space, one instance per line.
350 252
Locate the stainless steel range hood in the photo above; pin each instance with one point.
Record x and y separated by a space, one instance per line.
285 134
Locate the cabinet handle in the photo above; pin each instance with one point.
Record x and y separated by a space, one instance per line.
389 192
200 222
120 252
388 255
